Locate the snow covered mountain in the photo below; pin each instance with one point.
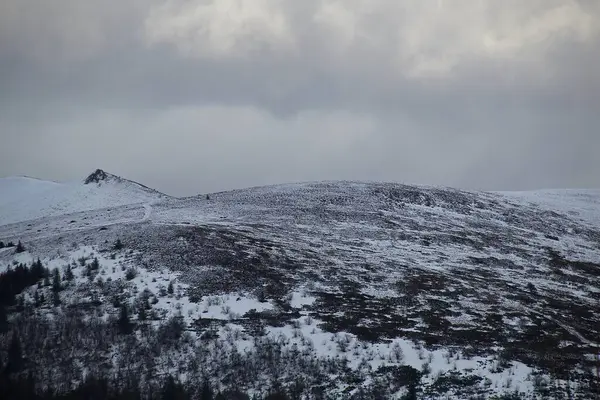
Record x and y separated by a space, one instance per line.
23 198
357 290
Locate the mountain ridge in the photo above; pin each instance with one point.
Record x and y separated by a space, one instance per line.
99 175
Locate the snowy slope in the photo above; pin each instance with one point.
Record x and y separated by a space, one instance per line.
14 189
581 204
23 199
472 286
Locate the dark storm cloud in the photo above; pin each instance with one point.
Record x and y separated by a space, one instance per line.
493 95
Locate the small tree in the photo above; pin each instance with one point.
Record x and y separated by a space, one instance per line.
207 393
118 245
130 274
412 392
124 323
172 390
3 320
56 287
1 244
278 394
142 313
56 298
69 273
172 329
46 280
15 355
170 288
426 368
21 303
20 248
37 270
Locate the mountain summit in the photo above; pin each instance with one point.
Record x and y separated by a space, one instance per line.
98 176
25 199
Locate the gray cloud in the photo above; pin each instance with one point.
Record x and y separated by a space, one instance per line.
199 96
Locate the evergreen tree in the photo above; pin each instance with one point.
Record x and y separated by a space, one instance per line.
13 282
277 395
170 288
3 320
69 273
21 304
414 381
412 392
142 313
56 298
56 281
206 393
173 390
1 244
15 355
169 389
7 289
124 323
118 245
20 248
29 388
37 270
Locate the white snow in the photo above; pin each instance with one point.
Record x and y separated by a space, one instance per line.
307 335
23 199
15 189
301 298
581 203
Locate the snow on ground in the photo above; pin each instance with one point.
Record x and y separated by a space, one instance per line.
305 334
14 189
230 306
23 199
8 258
224 307
580 203
301 298
363 233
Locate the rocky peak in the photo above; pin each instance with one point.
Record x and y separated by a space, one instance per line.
97 177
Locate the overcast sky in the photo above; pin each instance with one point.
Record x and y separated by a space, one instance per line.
195 96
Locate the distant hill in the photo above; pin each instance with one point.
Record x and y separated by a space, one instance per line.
23 198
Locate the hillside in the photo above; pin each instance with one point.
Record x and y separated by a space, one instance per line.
23 198
342 289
